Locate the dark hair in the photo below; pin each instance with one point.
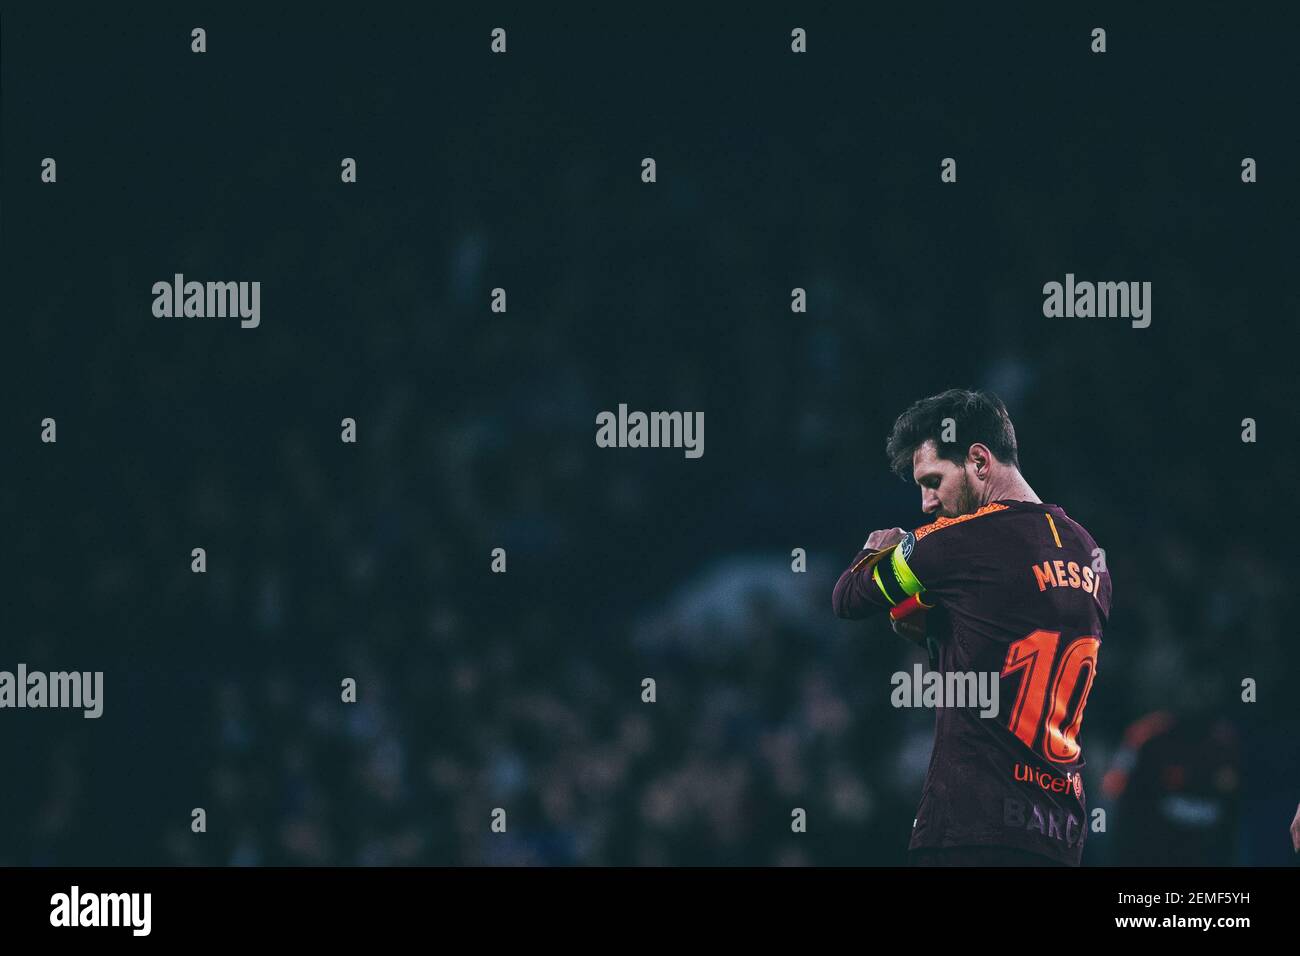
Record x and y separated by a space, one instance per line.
979 417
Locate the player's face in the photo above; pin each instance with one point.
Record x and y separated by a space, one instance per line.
945 486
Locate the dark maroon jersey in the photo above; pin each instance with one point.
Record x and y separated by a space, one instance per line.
1016 590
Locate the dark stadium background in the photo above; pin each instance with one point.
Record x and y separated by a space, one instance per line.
476 430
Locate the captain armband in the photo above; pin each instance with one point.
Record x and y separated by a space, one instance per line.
895 578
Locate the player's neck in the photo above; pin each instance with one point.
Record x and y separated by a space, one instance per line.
1011 485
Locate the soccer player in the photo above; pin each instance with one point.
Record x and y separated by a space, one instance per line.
1009 585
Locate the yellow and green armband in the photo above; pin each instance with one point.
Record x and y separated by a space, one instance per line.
896 580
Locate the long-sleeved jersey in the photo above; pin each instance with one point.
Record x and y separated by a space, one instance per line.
1018 589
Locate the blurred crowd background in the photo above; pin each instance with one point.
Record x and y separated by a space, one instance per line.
523 690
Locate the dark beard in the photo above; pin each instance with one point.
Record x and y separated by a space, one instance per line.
967 503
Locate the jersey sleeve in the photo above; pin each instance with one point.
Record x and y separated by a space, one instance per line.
856 594
931 562
880 580
938 560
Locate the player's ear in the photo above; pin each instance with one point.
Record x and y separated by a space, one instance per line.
979 457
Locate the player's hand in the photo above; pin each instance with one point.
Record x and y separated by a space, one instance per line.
1295 830
912 627
879 540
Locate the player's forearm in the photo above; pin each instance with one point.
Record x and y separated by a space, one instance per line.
856 595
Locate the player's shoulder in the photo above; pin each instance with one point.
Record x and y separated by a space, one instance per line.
1058 514
953 527
1007 521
